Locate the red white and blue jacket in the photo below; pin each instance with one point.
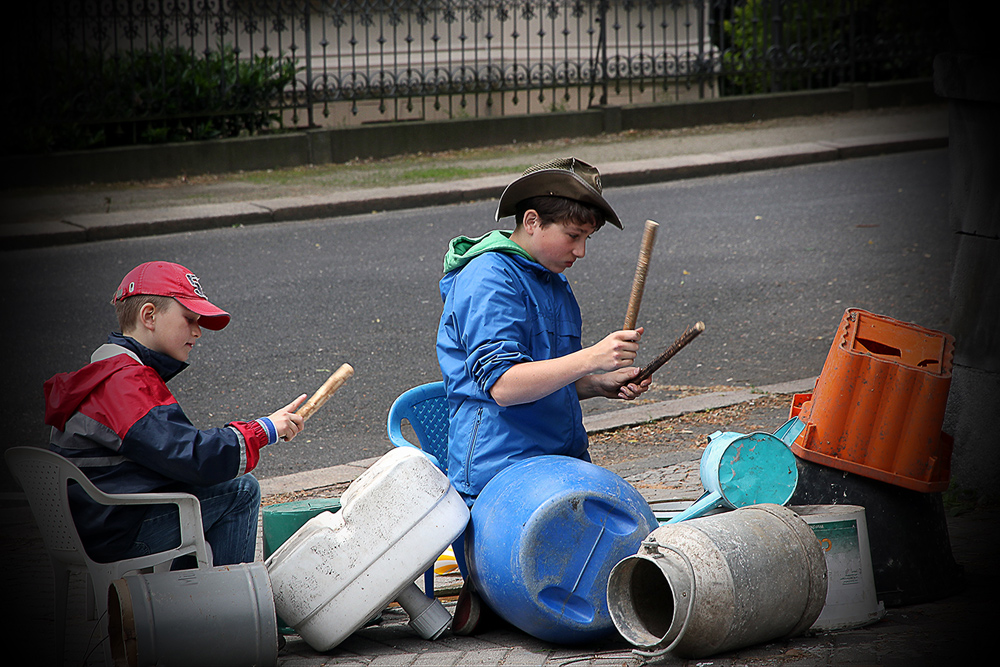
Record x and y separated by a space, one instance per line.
118 422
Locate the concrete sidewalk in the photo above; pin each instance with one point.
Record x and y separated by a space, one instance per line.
43 217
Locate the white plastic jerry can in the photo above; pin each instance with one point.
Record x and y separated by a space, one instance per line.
340 569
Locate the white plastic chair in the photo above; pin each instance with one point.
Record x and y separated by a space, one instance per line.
44 476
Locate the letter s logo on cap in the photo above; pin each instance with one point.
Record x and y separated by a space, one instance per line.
196 284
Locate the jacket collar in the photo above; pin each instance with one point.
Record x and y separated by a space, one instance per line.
165 366
463 249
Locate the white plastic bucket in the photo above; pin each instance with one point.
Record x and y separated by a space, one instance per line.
718 583
842 532
339 570
209 618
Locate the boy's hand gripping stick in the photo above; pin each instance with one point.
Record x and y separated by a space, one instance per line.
654 365
641 268
329 388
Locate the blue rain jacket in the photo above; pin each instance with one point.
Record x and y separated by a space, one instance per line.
501 309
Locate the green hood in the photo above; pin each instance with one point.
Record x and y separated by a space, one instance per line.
462 249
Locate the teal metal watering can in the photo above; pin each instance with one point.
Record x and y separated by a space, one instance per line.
739 469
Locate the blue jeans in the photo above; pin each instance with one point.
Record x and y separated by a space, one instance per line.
228 514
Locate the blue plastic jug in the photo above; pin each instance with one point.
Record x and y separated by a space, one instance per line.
543 538
739 470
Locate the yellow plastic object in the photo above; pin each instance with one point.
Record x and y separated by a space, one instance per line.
446 563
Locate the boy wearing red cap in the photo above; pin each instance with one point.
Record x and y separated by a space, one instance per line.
118 422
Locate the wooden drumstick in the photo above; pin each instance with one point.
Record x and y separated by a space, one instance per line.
641 267
332 384
654 365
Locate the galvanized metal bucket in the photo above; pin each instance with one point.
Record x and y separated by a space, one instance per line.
210 618
719 583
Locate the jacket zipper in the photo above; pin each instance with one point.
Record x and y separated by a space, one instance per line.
472 447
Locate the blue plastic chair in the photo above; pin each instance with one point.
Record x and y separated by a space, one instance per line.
425 407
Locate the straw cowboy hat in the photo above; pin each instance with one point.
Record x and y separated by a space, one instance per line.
564 177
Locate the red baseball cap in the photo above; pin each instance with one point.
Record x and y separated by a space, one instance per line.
173 280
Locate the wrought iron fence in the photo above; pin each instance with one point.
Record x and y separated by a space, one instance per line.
105 72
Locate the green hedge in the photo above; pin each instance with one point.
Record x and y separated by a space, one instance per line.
786 45
151 97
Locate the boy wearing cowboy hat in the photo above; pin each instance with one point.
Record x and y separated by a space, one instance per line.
509 339
509 336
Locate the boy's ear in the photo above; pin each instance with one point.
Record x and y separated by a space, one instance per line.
147 316
530 220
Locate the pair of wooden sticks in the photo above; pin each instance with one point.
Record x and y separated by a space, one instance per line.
342 374
635 299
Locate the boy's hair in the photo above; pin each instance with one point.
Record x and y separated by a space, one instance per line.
127 309
560 209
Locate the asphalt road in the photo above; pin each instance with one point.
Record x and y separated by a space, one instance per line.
768 260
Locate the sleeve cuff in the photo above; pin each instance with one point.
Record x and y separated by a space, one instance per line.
269 428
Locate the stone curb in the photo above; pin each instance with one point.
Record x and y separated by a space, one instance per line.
340 474
124 224
674 408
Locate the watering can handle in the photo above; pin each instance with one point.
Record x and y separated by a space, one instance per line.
709 500
687 615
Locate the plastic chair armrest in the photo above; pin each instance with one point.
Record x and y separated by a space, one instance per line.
396 436
188 510
147 498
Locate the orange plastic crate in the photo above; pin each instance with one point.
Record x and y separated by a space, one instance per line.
878 405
